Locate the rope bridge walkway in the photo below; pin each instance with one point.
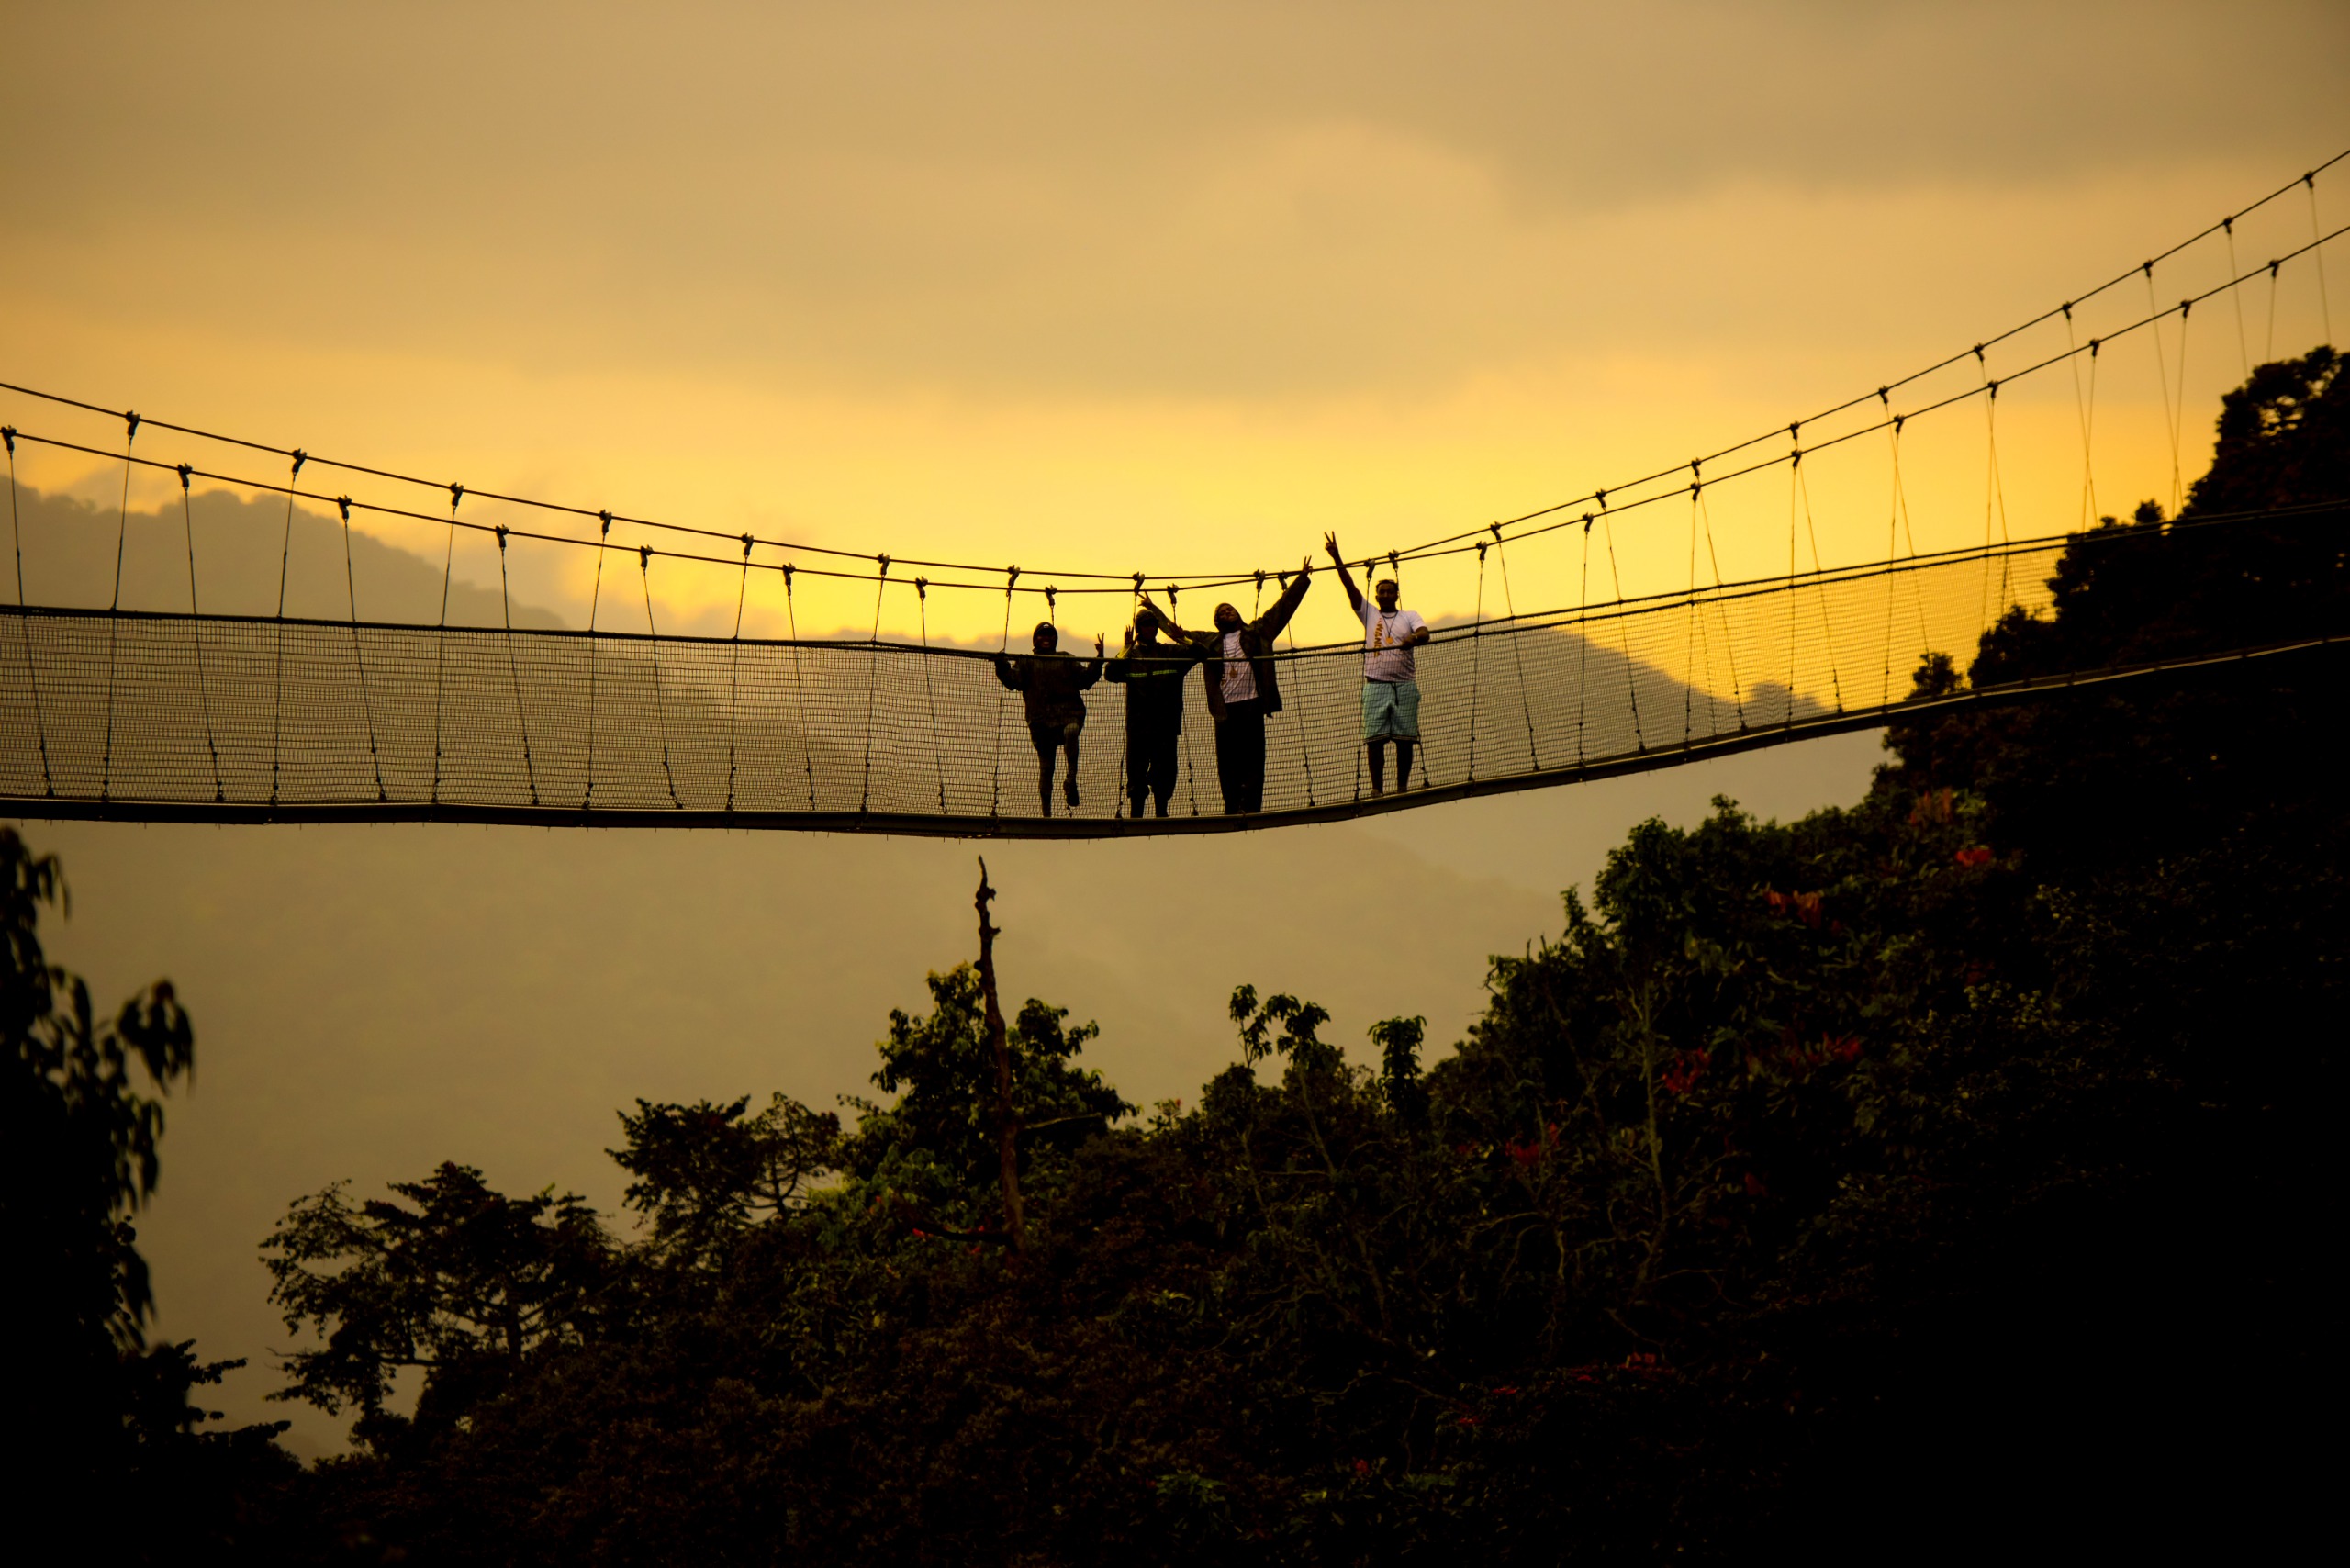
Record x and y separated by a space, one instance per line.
182 717
148 714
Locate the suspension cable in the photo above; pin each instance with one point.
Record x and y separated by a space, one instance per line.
1443 545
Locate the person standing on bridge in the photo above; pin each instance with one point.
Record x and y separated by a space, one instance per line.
1242 687
1152 672
1049 683
1390 688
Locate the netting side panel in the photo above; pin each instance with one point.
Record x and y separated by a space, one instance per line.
175 708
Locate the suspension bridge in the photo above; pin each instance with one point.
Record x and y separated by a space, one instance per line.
149 715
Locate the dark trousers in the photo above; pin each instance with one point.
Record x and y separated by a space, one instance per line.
1240 756
1150 764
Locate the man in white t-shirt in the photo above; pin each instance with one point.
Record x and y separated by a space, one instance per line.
1391 691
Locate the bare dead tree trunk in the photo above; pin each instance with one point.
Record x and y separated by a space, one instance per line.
1007 1122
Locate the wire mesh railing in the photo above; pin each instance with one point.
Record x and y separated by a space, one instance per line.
182 716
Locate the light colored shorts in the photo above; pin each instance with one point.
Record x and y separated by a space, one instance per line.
1391 709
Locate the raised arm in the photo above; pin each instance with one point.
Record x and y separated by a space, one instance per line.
1269 624
1167 624
1008 670
1346 578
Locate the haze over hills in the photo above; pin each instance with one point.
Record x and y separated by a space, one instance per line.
69 548
370 1001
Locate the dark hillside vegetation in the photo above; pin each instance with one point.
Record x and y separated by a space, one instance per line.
1936 1174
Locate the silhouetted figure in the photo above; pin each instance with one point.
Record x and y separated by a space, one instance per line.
1152 672
1390 688
1242 687
1049 682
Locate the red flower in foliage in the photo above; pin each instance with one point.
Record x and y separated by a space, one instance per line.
1805 906
1683 1074
1754 1187
1362 1467
1973 856
1530 1154
1933 806
1804 1058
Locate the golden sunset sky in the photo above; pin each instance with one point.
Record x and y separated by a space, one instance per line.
1114 287
1081 288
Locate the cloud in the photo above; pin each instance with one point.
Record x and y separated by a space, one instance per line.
1047 199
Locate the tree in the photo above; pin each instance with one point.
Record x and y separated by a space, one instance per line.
101 1412
458 1281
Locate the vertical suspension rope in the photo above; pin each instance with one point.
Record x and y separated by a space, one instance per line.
1190 777
2085 408
2317 257
440 647
121 526
1696 625
937 746
872 680
358 659
195 631
1304 745
1003 646
2162 370
1794 484
1995 505
595 601
514 669
1509 602
2268 348
23 632
1721 612
1476 656
1826 622
660 701
2243 343
277 671
1583 642
799 687
2178 415
1623 632
735 669
1892 543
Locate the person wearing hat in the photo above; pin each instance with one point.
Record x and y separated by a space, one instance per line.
1152 672
1237 660
1049 683
1391 689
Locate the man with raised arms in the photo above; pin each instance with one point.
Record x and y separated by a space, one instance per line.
1238 659
1391 688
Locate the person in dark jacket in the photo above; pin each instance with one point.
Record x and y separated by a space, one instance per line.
1152 672
1049 682
1238 659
